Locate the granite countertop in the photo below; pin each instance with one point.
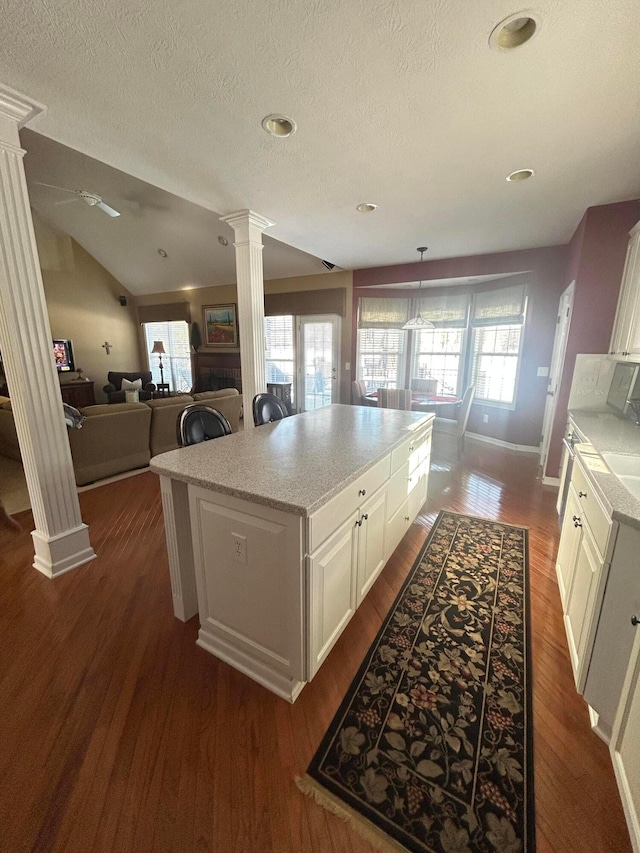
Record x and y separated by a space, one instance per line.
605 432
296 464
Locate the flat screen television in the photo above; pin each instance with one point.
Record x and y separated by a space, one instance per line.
63 354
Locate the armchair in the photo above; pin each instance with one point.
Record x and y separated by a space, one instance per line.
113 388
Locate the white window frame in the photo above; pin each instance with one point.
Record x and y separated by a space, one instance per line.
463 353
497 404
153 332
402 360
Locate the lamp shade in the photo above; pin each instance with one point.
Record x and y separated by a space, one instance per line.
158 347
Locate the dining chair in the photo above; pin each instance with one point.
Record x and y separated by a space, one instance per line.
198 422
359 394
394 398
268 408
424 386
456 427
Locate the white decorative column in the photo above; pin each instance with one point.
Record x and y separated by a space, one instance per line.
248 227
61 539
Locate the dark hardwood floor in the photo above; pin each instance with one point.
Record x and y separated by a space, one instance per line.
119 734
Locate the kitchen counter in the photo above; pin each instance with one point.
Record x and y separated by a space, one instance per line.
275 535
296 464
604 432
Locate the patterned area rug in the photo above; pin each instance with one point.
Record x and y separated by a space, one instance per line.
431 749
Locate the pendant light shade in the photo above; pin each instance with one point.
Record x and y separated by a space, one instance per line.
418 323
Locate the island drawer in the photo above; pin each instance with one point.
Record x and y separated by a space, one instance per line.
327 519
413 451
591 509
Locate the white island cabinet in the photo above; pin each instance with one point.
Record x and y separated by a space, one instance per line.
276 535
625 742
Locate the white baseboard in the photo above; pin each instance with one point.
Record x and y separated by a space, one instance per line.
519 448
551 481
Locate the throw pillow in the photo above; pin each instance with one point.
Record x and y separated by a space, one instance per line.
136 385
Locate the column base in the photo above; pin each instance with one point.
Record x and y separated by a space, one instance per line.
61 553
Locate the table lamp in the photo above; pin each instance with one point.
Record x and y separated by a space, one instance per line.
158 347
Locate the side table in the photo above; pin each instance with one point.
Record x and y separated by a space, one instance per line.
162 390
78 393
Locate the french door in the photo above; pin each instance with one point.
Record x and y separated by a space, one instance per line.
318 338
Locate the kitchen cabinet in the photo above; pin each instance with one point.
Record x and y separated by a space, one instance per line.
342 571
625 751
279 569
582 568
625 340
615 634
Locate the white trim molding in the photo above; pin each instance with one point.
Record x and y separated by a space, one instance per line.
519 448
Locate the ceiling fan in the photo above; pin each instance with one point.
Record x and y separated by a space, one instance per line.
92 199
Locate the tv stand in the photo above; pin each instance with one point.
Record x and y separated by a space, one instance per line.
78 393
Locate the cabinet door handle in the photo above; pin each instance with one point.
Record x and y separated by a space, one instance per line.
406 518
358 522
634 620
362 492
582 494
364 518
576 521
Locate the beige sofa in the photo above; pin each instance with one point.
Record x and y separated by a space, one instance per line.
120 437
114 438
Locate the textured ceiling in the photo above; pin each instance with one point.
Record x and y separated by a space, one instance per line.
397 102
150 219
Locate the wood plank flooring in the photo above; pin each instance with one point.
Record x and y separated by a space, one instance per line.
119 734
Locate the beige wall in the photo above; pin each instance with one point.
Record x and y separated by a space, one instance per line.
220 295
82 301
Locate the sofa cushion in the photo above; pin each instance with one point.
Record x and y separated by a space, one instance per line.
110 408
213 395
165 412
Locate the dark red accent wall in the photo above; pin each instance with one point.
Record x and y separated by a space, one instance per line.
596 260
548 267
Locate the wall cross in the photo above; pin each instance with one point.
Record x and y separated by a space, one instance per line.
107 346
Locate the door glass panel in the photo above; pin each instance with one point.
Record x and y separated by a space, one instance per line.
319 362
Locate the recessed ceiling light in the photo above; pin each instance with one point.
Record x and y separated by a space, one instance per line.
162 253
223 241
514 31
367 207
280 126
520 175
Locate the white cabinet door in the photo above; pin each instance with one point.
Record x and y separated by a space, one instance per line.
581 604
371 541
332 590
625 341
568 548
625 743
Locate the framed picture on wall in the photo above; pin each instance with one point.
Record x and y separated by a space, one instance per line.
220 324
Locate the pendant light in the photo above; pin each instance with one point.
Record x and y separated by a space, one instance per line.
417 323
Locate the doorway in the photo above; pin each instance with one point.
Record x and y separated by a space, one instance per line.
318 338
304 352
555 375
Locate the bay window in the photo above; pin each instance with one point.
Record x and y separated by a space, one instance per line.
497 320
382 342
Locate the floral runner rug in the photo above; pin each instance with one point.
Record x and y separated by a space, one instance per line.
431 749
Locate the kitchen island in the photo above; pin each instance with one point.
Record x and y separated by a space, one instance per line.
276 534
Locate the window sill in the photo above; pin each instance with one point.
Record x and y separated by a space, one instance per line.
494 404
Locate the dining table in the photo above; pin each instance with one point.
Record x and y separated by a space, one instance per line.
441 404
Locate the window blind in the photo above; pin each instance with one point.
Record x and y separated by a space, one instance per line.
499 307
446 311
382 313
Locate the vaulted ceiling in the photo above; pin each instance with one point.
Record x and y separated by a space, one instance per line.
399 103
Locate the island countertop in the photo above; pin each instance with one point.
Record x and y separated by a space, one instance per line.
295 464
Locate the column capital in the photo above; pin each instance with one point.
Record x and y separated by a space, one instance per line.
246 219
16 110
18 107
